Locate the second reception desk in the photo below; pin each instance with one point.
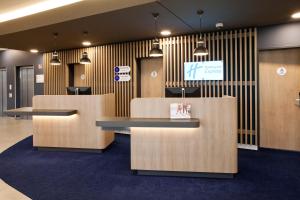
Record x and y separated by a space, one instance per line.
77 131
209 148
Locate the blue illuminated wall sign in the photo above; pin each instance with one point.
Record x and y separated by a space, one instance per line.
122 69
122 73
122 77
206 70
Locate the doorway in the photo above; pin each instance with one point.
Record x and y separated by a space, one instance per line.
150 78
3 91
25 87
279 80
77 77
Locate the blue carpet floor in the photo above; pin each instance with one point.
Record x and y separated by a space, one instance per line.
264 175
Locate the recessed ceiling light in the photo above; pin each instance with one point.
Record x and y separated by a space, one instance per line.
296 15
165 32
86 43
35 8
34 50
219 25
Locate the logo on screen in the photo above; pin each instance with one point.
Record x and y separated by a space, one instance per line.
207 70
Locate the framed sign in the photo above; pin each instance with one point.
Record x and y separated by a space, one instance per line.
39 78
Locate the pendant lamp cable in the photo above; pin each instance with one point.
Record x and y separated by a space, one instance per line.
55 40
200 13
155 18
155 15
173 13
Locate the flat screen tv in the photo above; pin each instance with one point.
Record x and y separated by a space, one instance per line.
206 70
79 90
177 92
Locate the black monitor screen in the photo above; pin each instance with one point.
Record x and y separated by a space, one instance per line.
177 92
79 90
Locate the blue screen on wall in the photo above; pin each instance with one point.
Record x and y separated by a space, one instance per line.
206 70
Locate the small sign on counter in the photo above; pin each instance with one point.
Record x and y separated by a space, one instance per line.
180 110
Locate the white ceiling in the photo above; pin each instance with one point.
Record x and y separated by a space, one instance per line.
6 6
78 10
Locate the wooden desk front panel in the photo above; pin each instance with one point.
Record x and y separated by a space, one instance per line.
211 148
76 131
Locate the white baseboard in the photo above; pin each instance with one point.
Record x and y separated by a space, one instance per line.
123 132
247 146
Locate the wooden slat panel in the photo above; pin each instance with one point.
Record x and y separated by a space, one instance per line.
236 62
256 87
231 65
226 62
218 58
246 87
209 58
172 55
241 86
222 56
213 58
250 77
178 61
190 54
193 57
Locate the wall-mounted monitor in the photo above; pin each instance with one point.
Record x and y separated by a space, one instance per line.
206 70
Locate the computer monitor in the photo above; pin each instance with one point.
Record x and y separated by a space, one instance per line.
79 90
177 92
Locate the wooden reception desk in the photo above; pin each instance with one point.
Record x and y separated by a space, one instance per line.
76 131
210 148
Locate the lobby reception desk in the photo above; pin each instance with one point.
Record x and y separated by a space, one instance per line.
209 149
76 131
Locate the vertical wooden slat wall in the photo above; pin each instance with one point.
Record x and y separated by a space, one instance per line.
237 48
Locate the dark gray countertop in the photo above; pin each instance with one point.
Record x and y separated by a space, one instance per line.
29 111
122 122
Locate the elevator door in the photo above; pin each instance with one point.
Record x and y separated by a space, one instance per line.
3 92
26 86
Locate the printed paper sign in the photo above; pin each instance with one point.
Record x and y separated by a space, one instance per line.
39 78
180 110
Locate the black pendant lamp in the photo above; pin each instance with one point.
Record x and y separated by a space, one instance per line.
55 58
85 59
200 50
155 50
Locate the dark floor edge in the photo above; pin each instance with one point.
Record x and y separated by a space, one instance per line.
78 150
184 174
279 150
16 144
